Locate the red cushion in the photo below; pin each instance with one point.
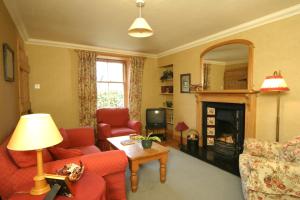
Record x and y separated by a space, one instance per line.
121 131
61 153
28 158
66 141
89 149
116 117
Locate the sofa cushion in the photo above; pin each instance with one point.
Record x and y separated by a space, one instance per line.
269 150
121 131
89 149
63 153
28 158
291 150
116 117
66 141
273 177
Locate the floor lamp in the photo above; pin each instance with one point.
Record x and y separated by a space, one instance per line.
275 84
181 126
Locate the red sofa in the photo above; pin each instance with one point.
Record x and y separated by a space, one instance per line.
109 165
112 122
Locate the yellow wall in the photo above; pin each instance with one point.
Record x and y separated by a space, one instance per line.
9 110
55 69
277 46
151 87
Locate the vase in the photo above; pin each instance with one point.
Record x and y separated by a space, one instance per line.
146 144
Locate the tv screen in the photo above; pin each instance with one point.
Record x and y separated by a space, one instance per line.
155 118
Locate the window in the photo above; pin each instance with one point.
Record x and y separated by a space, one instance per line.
111 84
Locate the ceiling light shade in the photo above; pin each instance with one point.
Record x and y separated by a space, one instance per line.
140 28
274 83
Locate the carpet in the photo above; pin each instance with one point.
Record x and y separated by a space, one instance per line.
188 178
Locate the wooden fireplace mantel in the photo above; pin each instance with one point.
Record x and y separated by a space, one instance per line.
247 97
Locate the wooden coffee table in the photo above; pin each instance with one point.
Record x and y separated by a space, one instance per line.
137 156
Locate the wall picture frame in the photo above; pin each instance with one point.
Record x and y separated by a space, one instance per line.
8 63
185 83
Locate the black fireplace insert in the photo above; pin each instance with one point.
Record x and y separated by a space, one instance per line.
223 128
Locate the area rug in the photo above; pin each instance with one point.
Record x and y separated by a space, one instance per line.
188 178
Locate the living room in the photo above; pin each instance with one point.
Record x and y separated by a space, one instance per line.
271 29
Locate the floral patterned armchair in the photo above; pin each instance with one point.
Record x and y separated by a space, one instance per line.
270 171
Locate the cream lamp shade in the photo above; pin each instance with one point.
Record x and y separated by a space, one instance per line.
140 28
33 132
274 83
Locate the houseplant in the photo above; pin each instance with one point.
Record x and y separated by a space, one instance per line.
147 140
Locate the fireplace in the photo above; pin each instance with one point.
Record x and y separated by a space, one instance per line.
224 119
223 128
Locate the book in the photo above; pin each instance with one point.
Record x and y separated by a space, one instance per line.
128 142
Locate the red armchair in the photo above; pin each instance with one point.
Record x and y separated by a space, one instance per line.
110 165
112 122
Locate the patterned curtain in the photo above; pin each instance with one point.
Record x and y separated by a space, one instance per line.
87 91
206 72
135 87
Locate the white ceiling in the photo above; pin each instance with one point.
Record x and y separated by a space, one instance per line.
104 23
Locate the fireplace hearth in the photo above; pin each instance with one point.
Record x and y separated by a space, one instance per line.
230 165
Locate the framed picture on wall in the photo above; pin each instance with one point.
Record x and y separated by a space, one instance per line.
185 82
8 63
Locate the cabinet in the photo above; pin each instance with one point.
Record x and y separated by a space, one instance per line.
166 89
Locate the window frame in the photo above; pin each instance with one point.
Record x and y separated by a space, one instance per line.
125 76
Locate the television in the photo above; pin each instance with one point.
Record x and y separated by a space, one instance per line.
156 118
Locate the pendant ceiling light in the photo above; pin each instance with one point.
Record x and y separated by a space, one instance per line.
140 28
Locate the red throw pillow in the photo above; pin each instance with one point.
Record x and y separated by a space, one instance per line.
28 158
66 142
62 153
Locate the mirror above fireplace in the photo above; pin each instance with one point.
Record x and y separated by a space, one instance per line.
227 66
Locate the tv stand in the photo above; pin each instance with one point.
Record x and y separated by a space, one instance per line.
160 132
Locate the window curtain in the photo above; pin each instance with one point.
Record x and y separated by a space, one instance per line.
135 87
87 90
206 73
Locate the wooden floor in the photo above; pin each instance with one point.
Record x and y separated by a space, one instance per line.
170 142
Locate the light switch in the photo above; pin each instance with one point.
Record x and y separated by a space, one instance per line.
37 86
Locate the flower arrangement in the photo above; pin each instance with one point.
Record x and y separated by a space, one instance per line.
147 140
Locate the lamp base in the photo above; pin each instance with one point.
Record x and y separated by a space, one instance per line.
40 186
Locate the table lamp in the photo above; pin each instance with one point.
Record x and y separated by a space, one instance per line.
35 132
181 126
276 84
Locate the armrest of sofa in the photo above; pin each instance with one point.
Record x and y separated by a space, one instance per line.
273 176
81 136
102 163
135 125
244 166
104 131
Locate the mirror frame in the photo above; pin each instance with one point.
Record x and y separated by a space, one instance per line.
250 61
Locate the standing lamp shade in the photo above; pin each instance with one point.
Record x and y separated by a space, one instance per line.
35 132
181 126
276 84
